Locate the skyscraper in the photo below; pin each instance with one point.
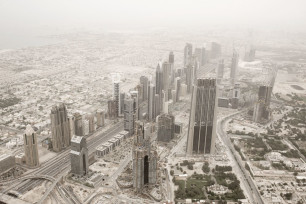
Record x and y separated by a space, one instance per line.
204 56
79 156
171 57
198 54
215 50
166 73
144 81
60 128
177 87
129 114
30 147
116 97
262 106
220 71
111 111
144 157
159 79
187 54
100 117
78 124
203 117
91 122
165 127
234 67
235 97
151 103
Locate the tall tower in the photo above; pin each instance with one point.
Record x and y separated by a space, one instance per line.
215 50
144 157
177 86
30 147
60 127
79 156
144 81
262 106
159 79
129 114
234 67
167 68
187 54
100 118
78 124
171 57
220 71
116 97
151 103
236 96
203 117
165 127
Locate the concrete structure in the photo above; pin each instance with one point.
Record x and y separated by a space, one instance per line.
6 162
203 117
166 78
234 67
171 57
78 124
236 96
178 128
223 102
100 115
165 127
144 157
91 122
30 147
262 106
215 50
144 81
79 156
151 103
112 114
158 79
187 54
177 88
60 128
190 75
220 71
129 114
116 97
71 121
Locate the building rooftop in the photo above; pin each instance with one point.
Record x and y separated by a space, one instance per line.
76 139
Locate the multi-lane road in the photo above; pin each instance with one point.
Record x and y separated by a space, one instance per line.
248 183
61 162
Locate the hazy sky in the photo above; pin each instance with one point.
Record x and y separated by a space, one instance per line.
26 15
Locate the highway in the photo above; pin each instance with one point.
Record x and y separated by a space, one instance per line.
249 185
61 162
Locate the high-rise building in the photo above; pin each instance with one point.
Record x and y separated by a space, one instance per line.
165 127
220 71
166 69
187 54
203 117
111 111
198 55
262 106
144 157
71 120
171 57
121 103
144 81
189 71
159 79
215 50
78 124
100 115
234 67
60 128
157 104
151 103
85 126
129 114
235 97
116 97
79 156
177 87
204 56
30 147
91 122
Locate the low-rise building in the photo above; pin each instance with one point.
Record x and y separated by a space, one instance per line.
6 162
